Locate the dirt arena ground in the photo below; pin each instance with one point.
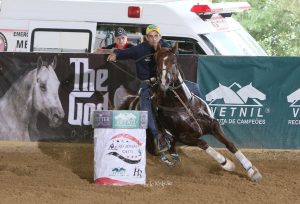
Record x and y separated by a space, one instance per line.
63 173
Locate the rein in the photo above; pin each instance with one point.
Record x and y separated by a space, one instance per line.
152 81
190 113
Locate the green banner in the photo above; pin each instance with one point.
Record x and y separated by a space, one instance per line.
120 119
256 99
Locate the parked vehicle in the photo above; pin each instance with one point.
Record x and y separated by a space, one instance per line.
80 26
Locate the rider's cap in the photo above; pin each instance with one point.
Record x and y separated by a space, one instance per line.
152 27
120 32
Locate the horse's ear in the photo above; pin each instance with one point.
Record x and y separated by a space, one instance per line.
54 63
175 48
39 62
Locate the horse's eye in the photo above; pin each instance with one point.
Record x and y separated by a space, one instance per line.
43 87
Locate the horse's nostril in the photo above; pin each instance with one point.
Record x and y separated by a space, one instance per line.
55 116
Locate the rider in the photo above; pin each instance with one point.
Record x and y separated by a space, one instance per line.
145 69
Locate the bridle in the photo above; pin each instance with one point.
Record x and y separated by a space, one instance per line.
173 88
175 67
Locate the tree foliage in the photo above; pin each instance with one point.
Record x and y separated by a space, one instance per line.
275 24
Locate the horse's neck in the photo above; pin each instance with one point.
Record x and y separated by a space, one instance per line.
243 94
183 90
17 101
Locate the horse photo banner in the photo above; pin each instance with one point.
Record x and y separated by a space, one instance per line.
50 96
256 99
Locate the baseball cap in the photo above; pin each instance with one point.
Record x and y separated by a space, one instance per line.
152 27
120 31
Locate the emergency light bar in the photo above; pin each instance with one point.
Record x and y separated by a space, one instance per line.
229 7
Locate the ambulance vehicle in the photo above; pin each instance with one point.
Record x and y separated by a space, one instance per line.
81 26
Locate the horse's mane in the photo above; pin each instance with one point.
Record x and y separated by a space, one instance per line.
161 50
13 70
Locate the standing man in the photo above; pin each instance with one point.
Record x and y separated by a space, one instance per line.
145 70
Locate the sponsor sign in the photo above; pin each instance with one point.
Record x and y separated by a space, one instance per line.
237 104
255 99
119 156
80 84
120 119
294 107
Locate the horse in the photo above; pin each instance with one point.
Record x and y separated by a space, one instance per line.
187 117
249 91
36 91
225 93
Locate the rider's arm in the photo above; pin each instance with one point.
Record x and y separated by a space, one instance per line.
129 53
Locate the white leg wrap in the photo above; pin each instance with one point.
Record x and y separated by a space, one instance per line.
216 155
244 161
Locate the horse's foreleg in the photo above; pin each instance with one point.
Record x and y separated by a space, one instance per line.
252 171
173 151
224 162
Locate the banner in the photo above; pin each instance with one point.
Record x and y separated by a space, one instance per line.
256 99
119 147
51 97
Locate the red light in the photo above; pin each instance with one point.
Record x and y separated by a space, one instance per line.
200 8
229 7
134 12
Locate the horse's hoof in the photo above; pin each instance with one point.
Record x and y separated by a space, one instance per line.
254 174
229 165
175 157
163 158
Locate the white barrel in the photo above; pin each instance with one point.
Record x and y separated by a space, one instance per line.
120 147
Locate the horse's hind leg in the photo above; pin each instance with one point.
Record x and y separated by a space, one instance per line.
252 171
224 162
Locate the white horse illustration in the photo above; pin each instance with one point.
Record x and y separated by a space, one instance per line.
36 92
294 97
250 92
225 93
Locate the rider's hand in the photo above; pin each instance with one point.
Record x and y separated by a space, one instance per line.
112 57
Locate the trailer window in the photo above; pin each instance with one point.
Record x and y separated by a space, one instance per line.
61 40
185 45
106 31
235 42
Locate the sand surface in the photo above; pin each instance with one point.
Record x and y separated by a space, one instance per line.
63 173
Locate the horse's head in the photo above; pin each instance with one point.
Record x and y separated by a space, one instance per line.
251 92
45 97
166 66
215 94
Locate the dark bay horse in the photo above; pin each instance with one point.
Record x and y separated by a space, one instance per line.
187 117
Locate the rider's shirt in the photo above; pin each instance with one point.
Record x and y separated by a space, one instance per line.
143 54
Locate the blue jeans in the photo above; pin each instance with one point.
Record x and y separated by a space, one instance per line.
146 105
194 88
